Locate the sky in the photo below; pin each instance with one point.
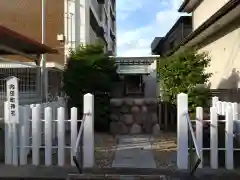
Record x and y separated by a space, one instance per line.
140 21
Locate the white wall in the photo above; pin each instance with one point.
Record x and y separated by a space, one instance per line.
205 10
150 81
150 85
225 58
76 23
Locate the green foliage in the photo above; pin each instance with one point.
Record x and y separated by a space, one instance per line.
183 72
90 70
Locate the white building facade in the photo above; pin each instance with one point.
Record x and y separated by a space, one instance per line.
216 30
88 21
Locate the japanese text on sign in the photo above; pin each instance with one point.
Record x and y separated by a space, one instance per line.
12 98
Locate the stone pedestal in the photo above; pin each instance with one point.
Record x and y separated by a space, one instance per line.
134 116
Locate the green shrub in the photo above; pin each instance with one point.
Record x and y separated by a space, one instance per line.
183 72
90 70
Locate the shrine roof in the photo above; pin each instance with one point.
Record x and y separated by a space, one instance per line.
135 60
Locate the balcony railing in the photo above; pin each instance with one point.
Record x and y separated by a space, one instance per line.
97 7
113 4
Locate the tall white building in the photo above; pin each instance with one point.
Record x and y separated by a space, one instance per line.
88 21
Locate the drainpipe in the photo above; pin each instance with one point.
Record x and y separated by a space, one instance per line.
39 78
71 31
66 29
43 58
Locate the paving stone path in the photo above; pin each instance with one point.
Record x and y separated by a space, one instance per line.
133 152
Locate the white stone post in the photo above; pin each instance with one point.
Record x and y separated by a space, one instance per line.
199 132
182 131
229 161
214 101
88 131
214 138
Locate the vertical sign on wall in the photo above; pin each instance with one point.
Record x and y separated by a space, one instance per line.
13 99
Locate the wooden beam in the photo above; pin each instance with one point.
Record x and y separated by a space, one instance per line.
16 52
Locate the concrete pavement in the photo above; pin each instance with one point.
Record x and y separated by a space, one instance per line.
133 152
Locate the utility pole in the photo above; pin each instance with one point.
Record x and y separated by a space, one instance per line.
44 73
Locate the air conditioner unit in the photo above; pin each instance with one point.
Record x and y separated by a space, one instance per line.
60 37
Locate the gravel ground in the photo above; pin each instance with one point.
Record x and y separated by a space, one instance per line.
163 146
164 149
105 147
